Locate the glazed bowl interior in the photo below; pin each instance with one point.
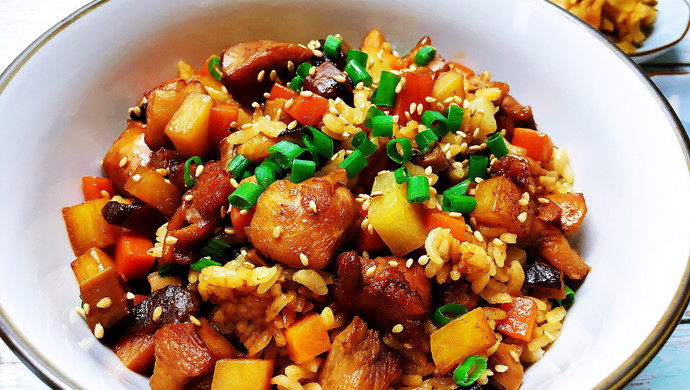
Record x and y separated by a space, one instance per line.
65 100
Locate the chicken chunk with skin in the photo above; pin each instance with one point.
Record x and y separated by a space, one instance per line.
302 225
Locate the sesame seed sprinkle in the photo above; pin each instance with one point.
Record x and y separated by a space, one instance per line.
292 125
272 75
136 178
543 200
277 231
170 240
130 296
244 212
260 76
478 236
522 217
312 206
194 321
87 308
370 271
104 303
105 194
306 93
267 95
157 313
515 356
304 259
317 54
123 162
397 328
393 263
409 263
376 194
423 260
98 331
290 66
370 229
234 183
501 367
229 230
339 78
80 311
455 214
246 126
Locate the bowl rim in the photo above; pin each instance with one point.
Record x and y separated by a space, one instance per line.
630 368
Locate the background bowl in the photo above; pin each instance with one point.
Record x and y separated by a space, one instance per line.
65 99
672 23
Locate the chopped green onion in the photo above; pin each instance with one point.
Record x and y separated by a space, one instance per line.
424 55
371 113
166 270
239 165
382 126
392 150
497 145
360 141
425 139
246 195
439 317
317 141
354 163
401 175
271 163
214 249
302 170
331 47
284 152
303 69
453 119
213 66
458 203
265 175
569 298
296 84
435 121
469 370
358 73
418 189
357 56
478 165
458 189
189 181
203 263
385 94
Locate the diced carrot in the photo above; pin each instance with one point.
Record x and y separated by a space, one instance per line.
307 338
520 320
435 218
368 241
280 91
131 257
241 221
417 87
94 186
537 144
308 110
461 68
204 69
136 350
222 116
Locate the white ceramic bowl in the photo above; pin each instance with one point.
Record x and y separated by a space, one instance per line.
64 101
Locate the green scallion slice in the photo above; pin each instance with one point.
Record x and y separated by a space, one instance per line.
425 140
439 317
569 298
401 175
265 175
424 55
166 270
385 94
477 167
317 142
296 84
371 113
271 162
214 249
358 73
203 263
357 56
458 189
303 69
284 152
354 163
453 120
332 46
238 166
213 68
469 370
435 121
189 181
392 150
418 189
497 145
458 203
302 170
382 126
245 196
360 141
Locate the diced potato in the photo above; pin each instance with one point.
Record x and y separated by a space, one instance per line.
242 374
128 152
188 128
214 88
373 44
136 350
399 223
101 287
468 335
497 206
449 84
151 188
307 338
87 228
161 107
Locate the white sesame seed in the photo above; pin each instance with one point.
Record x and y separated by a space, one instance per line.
428 171
420 109
130 296
292 125
398 88
194 321
199 170
501 367
229 230
104 303
105 194
87 308
455 214
397 328
234 183
306 93
365 224
188 197
260 76
170 240
98 331
290 66
304 259
370 229
423 260
409 263
277 231
515 356
543 200
288 104
80 311
479 236
429 99
549 336
318 54
393 263
366 204
123 162
272 75
522 217
157 312
339 78
413 107
246 126
370 271
346 134
136 178
376 193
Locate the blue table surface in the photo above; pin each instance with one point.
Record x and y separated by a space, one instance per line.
670 369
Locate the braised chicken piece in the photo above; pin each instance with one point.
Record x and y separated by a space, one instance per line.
512 114
548 243
389 295
128 153
302 225
572 211
436 65
516 169
511 378
196 219
242 63
358 360
460 292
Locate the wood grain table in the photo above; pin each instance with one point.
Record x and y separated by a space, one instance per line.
22 21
